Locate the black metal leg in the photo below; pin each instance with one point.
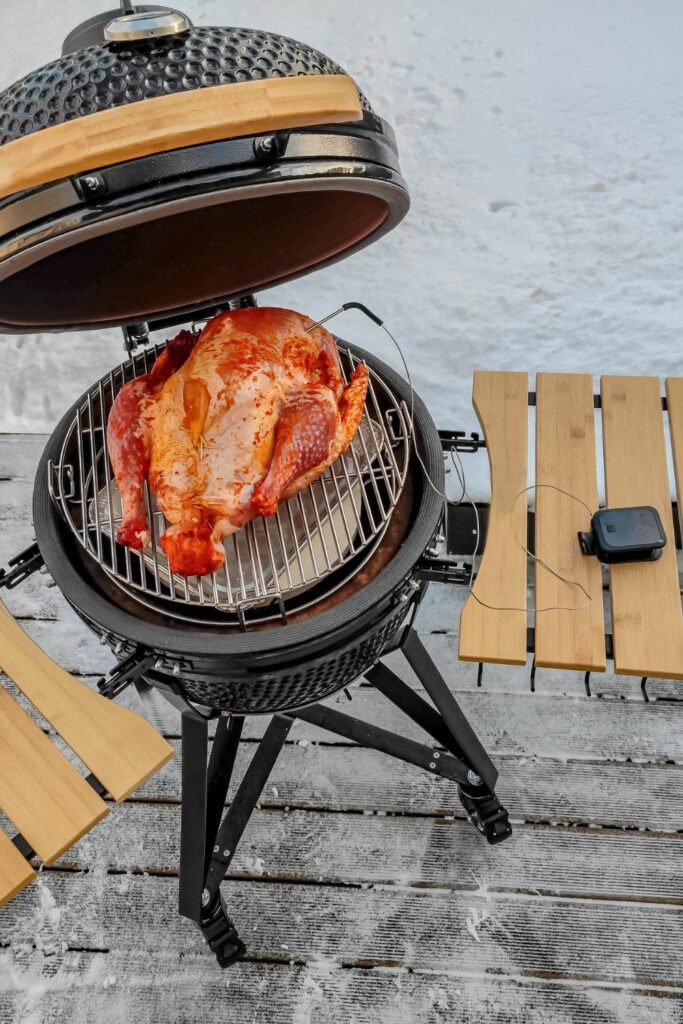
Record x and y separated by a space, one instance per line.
448 708
193 814
221 765
445 765
412 705
244 802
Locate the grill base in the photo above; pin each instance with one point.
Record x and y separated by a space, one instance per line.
208 844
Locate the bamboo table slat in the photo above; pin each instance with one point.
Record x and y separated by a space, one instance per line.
674 400
119 747
647 620
498 633
565 459
40 792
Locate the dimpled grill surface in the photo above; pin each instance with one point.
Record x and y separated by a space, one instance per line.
106 76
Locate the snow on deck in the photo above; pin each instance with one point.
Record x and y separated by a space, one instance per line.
362 893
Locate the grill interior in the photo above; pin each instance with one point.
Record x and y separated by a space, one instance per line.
274 566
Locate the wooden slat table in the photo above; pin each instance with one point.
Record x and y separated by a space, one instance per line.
647 616
44 796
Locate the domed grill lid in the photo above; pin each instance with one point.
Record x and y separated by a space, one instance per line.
178 169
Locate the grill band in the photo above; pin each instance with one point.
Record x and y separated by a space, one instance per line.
165 123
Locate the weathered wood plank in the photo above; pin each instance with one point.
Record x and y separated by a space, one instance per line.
559 728
534 936
566 495
348 779
647 619
119 986
493 621
354 849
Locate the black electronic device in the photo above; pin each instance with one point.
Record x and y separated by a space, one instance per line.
625 535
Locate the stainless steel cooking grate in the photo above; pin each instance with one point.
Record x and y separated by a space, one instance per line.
332 526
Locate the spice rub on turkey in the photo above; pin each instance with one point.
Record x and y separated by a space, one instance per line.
225 427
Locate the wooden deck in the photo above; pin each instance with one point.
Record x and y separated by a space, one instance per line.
361 892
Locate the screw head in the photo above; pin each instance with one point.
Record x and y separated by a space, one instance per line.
206 897
473 778
91 183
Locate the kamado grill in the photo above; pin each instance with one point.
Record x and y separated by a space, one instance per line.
153 176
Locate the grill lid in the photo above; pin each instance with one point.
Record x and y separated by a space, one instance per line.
179 168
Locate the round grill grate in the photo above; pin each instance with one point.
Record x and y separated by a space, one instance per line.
314 542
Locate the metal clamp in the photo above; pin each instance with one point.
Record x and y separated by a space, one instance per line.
21 567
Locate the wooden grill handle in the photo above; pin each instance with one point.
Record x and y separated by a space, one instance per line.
164 123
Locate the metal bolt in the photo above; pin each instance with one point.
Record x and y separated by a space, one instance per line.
216 849
436 754
49 582
206 897
92 183
44 571
176 670
414 585
267 144
158 665
473 778
226 853
403 598
433 764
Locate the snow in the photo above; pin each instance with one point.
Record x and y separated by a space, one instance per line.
542 147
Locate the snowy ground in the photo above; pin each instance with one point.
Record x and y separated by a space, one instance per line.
542 145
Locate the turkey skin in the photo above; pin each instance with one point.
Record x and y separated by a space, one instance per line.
227 426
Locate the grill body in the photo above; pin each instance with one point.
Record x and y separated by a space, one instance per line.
266 667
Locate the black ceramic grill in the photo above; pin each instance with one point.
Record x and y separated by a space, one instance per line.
154 175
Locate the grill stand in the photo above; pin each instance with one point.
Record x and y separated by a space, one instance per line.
208 845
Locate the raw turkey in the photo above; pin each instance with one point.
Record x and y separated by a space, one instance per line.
226 427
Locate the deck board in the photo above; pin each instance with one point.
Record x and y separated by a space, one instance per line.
583 915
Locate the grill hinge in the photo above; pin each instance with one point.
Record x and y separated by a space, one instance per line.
21 567
125 673
458 440
444 570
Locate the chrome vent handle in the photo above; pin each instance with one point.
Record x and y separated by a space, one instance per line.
129 28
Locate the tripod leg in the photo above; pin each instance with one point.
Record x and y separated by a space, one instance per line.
244 801
221 764
194 732
447 706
